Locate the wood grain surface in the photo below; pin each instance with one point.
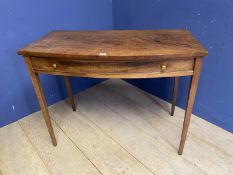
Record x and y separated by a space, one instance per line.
117 45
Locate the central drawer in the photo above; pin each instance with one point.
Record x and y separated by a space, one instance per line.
55 65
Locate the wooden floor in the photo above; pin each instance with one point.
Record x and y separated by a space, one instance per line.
117 129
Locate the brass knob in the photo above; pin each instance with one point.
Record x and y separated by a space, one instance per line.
54 66
163 67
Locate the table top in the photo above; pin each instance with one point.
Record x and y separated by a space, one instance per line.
116 45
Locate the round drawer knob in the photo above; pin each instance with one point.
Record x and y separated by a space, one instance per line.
54 66
163 67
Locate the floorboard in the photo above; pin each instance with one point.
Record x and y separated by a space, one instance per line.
17 155
155 125
1 168
198 126
104 152
134 140
117 129
65 158
213 134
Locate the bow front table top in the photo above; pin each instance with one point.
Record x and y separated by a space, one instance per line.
116 54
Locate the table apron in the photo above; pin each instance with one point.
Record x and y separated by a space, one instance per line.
113 69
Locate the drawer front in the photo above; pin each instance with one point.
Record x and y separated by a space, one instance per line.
101 68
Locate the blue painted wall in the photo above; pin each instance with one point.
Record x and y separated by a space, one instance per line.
22 22
211 21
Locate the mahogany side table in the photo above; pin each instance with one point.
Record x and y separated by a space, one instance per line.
116 54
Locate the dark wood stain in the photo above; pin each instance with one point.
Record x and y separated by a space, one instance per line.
117 45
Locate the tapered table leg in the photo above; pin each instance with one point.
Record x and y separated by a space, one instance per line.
175 89
190 102
40 95
69 89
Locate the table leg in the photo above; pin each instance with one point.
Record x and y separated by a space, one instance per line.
190 102
69 89
175 89
41 99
